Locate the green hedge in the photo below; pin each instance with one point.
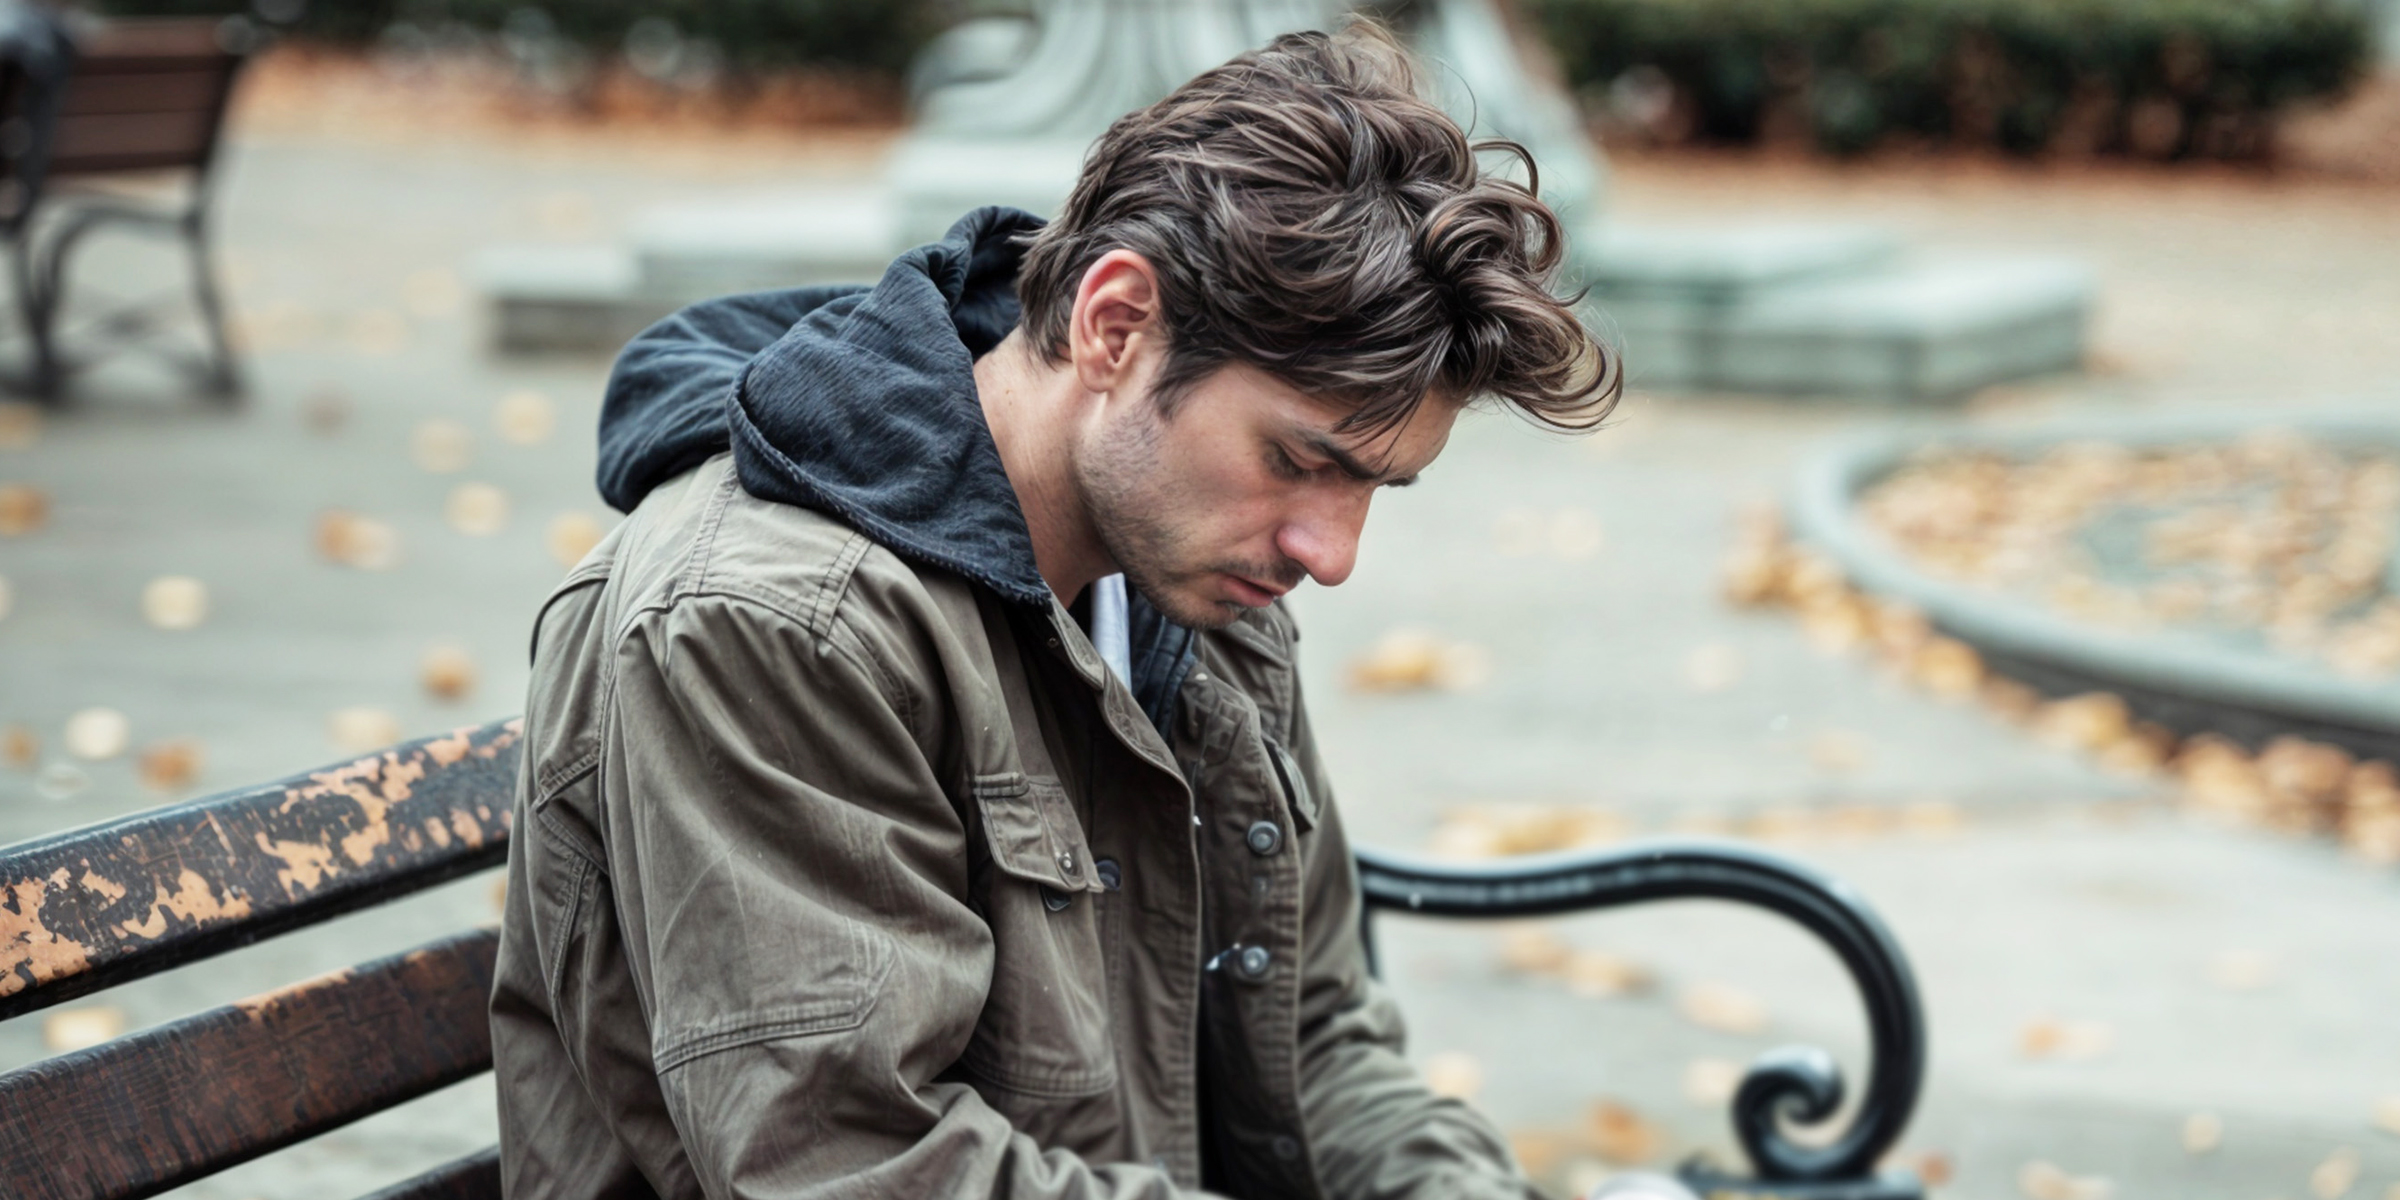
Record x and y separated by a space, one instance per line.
871 35
2161 78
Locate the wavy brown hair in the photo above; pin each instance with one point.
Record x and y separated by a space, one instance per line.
1310 215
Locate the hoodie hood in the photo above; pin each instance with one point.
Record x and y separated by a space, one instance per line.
860 402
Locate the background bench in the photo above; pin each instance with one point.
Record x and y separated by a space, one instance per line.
108 903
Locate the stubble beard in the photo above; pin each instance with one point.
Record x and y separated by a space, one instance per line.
1134 516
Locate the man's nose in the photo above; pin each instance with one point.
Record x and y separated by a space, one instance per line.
1324 539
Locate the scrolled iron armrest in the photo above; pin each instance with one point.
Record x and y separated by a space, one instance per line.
1800 1084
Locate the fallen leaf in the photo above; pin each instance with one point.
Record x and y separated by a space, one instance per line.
1947 667
1934 1169
1534 950
2241 970
95 734
1711 1082
447 673
525 417
1723 1008
325 411
2202 1132
476 509
431 293
20 425
357 541
1839 751
80 1028
442 447
571 536
1597 974
170 766
2086 722
1575 534
20 747
1410 659
2065 1041
2046 1181
2009 700
361 729
1620 1134
2334 1177
1539 1151
175 602
1453 1074
23 509
378 331
1712 668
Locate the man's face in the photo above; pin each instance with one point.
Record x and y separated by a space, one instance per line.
1242 493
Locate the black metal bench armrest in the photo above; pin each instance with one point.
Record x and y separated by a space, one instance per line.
1795 1083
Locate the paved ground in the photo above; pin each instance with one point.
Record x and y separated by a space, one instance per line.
2065 895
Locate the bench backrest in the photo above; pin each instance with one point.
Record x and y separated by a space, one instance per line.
102 905
146 95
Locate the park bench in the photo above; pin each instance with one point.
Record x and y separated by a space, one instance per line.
94 907
125 102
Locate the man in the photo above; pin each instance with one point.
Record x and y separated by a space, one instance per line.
918 798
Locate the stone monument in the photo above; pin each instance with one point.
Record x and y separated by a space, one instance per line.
1006 107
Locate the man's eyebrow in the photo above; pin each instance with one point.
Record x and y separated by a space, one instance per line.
1323 443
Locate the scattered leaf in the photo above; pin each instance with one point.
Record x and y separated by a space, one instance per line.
1711 1082
20 425
361 730
1540 1151
1454 1074
1597 974
442 447
326 411
1410 659
431 293
23 509
20 747
2241 970
2064 1041
1934 1169
1712 668
81 1028
170 766
2086 722
447 673
476 509
1947 667
2203 1132
2334 1177
1534 950
354 540
1620 1134
525 417
571 536
175 602
2046 1181
1723 1008
95 734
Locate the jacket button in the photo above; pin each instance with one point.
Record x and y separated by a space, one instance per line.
1111 875
1254 962
1265 838
1066 864
1055 900
1286 1147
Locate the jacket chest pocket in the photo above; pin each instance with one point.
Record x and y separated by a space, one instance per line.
1045 1028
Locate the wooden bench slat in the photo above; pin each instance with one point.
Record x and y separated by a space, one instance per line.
475 1177
198 91
160 1108
124 141
98 906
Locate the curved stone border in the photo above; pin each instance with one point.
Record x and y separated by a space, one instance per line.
2168 666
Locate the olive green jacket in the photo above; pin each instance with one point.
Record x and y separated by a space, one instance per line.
837 875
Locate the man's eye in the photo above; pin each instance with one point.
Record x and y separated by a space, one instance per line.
1280 461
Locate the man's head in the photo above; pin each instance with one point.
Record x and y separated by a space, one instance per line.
1284 281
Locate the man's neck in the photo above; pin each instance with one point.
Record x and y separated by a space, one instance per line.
1032 409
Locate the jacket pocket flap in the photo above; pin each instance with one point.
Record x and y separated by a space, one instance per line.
1032 832
1295 786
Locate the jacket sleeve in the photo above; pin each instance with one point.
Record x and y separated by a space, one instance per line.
791 880
664 410
1376 1131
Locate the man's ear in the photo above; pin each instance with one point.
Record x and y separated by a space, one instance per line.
1115 322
